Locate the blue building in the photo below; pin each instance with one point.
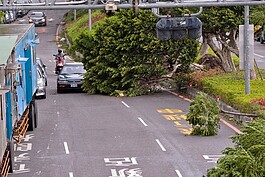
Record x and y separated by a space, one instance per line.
18 85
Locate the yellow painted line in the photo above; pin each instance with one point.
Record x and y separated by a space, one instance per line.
183 116
176 110
185 131
171 111
169 117
172 116
177 123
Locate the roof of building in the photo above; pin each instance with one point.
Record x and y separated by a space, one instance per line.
7 44
14 29
10 35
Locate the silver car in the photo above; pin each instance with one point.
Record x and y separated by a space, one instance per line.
43 69
41 85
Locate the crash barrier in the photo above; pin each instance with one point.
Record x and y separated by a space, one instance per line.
179 28
244 118
4 168
21 127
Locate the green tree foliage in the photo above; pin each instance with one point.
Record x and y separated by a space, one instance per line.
203 115
221 24
257 15
247 158
123 55
2 14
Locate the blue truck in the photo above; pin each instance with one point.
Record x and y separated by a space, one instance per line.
18 86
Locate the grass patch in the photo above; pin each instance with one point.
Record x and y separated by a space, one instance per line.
75 28
231 88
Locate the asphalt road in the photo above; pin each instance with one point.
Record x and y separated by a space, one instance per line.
259 54
82 135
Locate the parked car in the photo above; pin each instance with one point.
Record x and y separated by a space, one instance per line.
41 87
10 16
7 18
43 70
70 77
38 18
21 12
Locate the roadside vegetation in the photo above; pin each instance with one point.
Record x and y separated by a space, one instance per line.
117 64
133 62
2 14
228 85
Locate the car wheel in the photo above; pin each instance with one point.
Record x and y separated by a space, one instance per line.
59 90
31 124
44 96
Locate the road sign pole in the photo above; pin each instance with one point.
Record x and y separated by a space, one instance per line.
246 49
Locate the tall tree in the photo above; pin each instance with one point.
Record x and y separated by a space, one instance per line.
124 55
220 30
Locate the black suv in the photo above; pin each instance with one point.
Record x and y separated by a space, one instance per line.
38 18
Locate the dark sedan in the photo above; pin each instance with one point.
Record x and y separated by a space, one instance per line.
38 18
70 77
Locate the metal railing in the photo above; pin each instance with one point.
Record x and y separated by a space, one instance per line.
53 5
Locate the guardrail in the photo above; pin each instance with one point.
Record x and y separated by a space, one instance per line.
244 118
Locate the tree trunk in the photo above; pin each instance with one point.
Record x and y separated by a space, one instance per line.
228 63
204 47
223 54
253 75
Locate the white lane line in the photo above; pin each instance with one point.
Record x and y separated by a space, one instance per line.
259 55
71 174
141 120
160 144
66 148
178 173
125 104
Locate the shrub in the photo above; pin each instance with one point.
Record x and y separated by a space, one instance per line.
203 115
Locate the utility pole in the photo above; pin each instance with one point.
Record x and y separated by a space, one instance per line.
89 16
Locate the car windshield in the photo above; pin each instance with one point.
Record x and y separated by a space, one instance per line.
36 14
73 69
